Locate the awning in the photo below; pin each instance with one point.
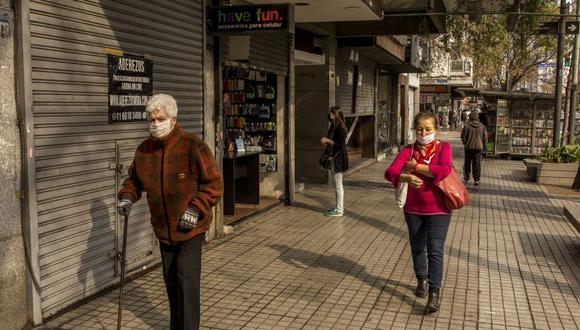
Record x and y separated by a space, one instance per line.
393 24
475 92
389 54
315 11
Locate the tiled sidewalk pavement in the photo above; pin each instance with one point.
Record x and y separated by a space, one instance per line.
512 261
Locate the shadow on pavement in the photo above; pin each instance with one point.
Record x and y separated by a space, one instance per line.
375 223
518 176
554 251
297 257
136 299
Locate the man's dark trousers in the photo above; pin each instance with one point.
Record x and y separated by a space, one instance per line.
182 273
472 160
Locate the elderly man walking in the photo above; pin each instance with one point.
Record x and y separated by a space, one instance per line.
183 182
474 138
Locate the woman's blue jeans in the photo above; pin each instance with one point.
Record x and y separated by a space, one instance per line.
427 235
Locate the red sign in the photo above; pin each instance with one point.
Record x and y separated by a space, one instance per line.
434 89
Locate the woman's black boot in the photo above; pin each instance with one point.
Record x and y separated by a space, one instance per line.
433 302
421 290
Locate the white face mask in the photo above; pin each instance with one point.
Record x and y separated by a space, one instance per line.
426 139
161 129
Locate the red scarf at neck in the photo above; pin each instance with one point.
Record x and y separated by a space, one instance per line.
424 153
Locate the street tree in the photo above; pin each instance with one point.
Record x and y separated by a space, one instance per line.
502 59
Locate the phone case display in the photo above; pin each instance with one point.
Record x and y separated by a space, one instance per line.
250 111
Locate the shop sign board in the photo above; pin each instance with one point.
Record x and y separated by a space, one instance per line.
570 27
130 86
434 89
250 19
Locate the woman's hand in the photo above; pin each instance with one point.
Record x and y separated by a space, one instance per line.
413 180
410 165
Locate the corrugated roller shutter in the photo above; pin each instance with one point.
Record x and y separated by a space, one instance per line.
76 148
365 102
344 71
270 52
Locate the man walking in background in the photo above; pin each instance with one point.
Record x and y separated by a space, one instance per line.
452 120
474 138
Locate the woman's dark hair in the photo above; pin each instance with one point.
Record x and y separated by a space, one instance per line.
425 115
338 117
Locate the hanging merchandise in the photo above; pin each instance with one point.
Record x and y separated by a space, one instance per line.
250 111
270 93
250 92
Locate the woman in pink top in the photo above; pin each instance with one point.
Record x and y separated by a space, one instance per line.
422 165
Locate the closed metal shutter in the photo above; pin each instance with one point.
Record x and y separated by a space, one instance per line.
344 71
270 52
77 151
365 102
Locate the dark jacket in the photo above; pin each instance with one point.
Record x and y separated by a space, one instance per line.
176 171
474 135
338 136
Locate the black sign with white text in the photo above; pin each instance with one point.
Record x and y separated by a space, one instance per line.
242 19
570 27
130 86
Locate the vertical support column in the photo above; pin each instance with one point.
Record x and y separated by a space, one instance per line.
26 120
376 114
331 62
211 114
289 122
217 120
13 300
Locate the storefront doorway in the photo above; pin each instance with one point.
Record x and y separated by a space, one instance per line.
253 122
360 146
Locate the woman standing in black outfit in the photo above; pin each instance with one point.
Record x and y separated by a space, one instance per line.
335 142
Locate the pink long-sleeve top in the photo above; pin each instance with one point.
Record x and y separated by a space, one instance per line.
429 199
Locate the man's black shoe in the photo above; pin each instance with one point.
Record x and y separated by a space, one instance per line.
477 183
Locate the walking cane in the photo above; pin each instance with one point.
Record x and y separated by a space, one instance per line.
123 255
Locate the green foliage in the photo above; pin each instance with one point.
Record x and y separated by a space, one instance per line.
561 154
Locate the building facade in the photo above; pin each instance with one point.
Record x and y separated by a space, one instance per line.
71 121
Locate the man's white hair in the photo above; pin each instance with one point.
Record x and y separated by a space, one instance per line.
159 102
